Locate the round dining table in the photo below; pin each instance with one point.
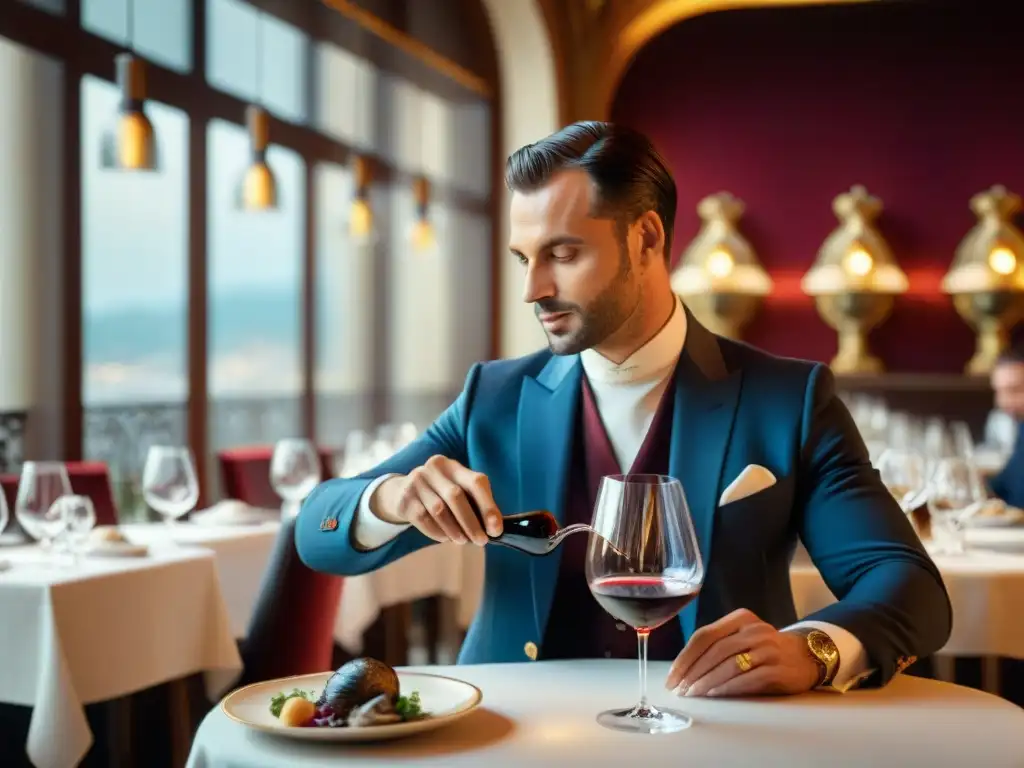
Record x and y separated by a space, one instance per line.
544 712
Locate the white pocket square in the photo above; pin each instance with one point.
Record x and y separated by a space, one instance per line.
751 480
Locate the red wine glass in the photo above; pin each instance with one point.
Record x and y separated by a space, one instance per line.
643 567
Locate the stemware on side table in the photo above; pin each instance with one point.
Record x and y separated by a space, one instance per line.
643 567
953 493
169 484
79 516
295 470
40 485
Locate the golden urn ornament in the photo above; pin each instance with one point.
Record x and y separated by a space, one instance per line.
719 277
986 279
855 280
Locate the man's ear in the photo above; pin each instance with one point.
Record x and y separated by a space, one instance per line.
652 237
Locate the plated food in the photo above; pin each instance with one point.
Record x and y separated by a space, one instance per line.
364 700
995 513
362 693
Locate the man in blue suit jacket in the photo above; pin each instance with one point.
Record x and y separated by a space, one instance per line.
591 223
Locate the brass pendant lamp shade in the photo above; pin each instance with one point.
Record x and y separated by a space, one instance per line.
130 144
360 221
258 188
423 236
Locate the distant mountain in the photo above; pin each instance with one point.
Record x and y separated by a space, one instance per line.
236 320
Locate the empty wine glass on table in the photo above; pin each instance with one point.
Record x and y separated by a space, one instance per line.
902 472
952 497
294 472
643 567
40 485
79 516
169 484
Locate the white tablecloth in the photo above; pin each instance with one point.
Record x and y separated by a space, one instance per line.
449 570
241 553
72 636
542 713
986 590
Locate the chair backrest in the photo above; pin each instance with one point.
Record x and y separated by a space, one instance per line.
87 478
245 473
291 631
9 488
92 479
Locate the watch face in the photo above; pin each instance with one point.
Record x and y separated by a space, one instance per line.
822 646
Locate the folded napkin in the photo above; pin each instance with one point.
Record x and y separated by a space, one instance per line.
234 512
4 565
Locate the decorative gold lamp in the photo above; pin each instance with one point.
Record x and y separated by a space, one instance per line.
855 280
258 190
719 276
130 144
986 279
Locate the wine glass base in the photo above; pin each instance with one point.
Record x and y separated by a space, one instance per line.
646 720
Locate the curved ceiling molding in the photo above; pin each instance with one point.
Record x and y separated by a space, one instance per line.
659 16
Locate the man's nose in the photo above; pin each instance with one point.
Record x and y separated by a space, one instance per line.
538 285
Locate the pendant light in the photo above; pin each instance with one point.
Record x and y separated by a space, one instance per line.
422 236
130 144
258 188
361 229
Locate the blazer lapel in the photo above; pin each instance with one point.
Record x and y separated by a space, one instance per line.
547 421
706 396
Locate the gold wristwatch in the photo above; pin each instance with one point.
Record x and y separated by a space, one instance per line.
824 651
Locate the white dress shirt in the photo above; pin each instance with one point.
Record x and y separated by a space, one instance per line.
627 396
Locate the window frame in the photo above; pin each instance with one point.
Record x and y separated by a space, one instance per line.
84 53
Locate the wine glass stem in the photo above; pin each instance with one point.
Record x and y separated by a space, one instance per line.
641 641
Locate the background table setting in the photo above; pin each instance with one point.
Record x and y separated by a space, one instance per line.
102 629
544 713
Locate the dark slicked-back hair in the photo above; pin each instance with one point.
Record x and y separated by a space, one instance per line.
1011 355
630 175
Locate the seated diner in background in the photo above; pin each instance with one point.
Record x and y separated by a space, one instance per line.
1008 387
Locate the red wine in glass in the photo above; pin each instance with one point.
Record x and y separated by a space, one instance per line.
643 602
643 568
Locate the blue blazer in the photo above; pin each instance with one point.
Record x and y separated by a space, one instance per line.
734 406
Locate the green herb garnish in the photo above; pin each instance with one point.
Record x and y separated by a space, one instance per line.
278 701
409 706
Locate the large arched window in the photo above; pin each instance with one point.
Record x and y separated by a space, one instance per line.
176 316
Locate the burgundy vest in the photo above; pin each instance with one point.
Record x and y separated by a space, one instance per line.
578 627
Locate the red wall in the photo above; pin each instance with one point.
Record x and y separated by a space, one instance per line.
786 108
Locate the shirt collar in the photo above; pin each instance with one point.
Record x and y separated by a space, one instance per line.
654 360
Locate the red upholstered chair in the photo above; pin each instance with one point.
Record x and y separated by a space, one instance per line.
92 479
9 487
292 628
245 473
9 484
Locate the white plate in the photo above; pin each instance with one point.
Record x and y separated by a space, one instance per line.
1004 520
445 698
115 549
234 514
